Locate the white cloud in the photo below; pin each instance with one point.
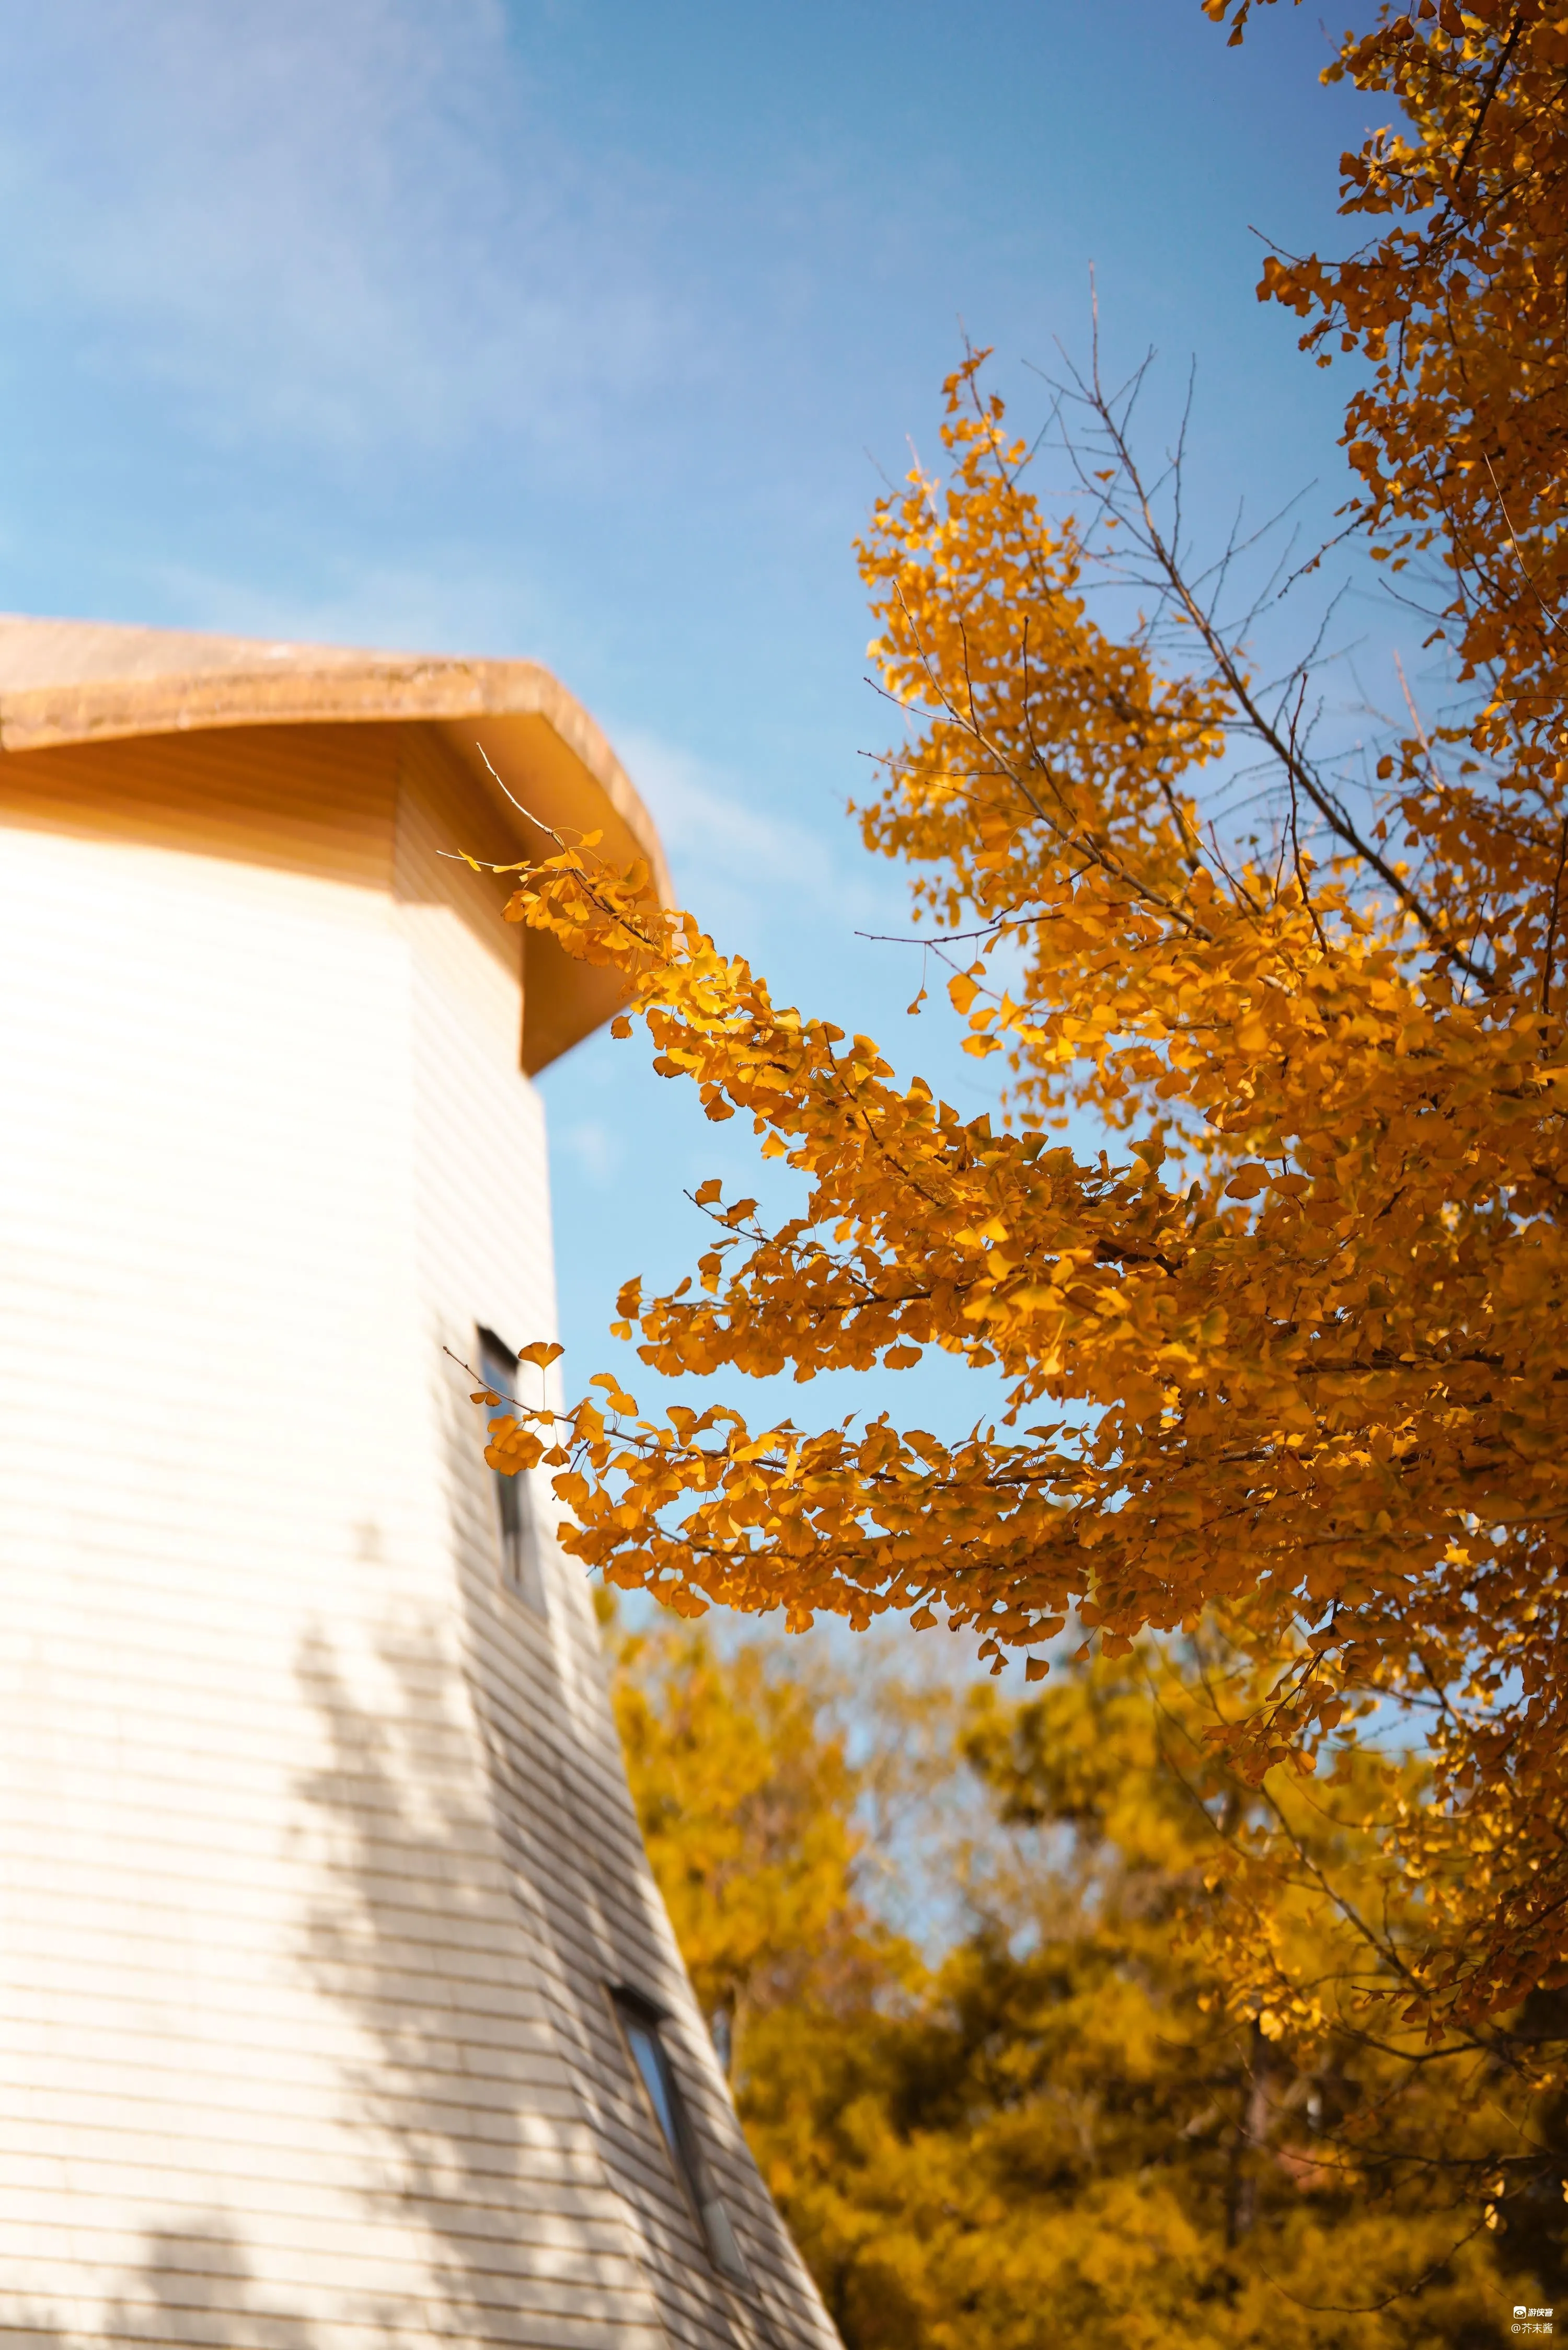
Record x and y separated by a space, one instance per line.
452 602
597 1150
347 223
743 869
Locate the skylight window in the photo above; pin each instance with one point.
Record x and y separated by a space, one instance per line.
517 1524
639 2022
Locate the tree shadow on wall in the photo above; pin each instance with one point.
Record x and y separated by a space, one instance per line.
460 2094
193 2285
570 1843
413 1934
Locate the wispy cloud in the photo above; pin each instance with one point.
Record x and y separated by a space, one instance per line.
348 223
743 869
597 1149
453 601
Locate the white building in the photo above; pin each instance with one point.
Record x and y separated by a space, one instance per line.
333 1986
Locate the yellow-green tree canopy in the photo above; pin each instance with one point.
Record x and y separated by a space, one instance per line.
1291 1356
747 1810
1054 2130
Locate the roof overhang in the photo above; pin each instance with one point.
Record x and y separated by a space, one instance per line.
76 681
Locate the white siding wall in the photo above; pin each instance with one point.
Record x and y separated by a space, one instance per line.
315 1856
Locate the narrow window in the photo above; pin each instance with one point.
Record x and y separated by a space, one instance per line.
639 2022
518 1525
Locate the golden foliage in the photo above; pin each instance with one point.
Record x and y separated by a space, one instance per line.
747 1813
1056 2131
1293 1352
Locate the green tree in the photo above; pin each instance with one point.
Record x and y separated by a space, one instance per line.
1061 2128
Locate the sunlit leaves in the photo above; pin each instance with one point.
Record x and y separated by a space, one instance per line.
1294 1350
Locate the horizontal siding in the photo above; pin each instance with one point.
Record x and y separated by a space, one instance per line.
316 1849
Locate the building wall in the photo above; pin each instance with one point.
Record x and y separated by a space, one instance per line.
316 1853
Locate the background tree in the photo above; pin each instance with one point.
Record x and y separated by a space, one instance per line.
748 1809
1054 2130
1287 1357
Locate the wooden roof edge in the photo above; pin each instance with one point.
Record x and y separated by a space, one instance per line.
337 686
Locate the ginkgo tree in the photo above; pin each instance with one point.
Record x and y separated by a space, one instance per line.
1289 1352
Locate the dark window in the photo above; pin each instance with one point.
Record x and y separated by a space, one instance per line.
517 1523
639 2022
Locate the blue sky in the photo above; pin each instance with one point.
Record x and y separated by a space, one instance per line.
585 329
